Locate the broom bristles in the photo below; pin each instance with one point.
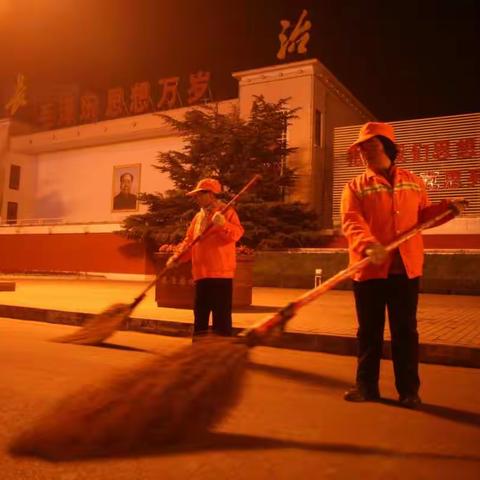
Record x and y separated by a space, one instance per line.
100 327
166 400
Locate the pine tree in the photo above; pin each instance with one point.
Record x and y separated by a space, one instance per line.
231 149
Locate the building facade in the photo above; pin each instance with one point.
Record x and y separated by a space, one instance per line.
58 187
65 192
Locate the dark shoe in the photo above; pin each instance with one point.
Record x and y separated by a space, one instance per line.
360 395
410 401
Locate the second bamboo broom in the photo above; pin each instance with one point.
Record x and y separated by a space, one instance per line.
101 326
170 399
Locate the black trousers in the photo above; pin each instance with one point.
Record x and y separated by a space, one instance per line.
213 295
399 295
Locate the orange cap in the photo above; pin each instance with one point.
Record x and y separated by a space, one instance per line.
206 185
372 129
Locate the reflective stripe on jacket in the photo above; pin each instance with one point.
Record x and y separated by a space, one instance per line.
375 211
214 256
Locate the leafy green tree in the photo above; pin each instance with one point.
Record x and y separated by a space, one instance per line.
231 149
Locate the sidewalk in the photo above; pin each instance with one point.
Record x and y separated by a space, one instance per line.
449 325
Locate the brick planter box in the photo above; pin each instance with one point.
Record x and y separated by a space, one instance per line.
176 289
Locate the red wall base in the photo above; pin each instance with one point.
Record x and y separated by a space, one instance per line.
73 252
112 253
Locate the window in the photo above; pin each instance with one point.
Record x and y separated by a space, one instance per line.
317 139
12 210
14 182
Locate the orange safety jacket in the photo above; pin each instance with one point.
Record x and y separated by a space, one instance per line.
214 256
375 211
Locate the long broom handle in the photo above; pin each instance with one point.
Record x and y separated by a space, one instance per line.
190 245
261 330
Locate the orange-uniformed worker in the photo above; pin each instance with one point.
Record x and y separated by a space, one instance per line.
376 207
213 259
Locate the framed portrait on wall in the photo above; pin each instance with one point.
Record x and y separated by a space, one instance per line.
126 186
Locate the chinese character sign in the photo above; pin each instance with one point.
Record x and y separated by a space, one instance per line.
466 148
420 152
116 105
19 98
47 115
453 179
297 39
400 154
140 99
89 107
67 110
474 177
441 150
198 86
169 96
431 179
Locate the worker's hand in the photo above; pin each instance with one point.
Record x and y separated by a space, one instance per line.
172 261
457 204
218 219
377 253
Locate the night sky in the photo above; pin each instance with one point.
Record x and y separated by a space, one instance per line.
402 59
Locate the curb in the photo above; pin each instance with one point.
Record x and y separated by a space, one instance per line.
436 353
7 286
452 355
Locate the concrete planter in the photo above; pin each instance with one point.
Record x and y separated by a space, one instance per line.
176 288
445 271
296 269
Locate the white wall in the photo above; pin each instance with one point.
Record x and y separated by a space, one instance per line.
293 81
68 173
77 184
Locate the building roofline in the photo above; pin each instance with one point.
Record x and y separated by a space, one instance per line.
104 132
319 70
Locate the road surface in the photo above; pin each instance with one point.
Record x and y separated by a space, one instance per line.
291 422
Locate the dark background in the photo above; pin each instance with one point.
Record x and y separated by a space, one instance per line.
402 59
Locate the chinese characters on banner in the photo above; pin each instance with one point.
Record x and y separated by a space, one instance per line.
116 105
89 107
297 39
19 97
67 109
47 115
198 86
431 158
140 98
169 89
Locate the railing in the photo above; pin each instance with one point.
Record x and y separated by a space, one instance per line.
49 222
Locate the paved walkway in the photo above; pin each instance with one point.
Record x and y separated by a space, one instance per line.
449 325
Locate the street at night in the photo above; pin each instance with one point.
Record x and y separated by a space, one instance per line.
291 422
239 240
